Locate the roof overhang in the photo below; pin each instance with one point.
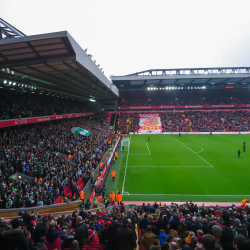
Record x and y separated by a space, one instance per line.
56 63
186 77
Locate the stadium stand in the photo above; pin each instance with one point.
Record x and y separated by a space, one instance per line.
15 104
59 161
192 121
183 97
187 225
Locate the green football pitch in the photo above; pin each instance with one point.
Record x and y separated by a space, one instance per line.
191 167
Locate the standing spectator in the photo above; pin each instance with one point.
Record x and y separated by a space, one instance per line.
40 230
81 231
124 237
110 233
192 245
208 242
14 239
144 222
75 245
147 238
224 236
52 236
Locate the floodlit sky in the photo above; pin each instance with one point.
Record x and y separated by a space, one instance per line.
130 36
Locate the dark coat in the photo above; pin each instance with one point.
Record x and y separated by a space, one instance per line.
125 239
195 227
174 223
39 232
189 247
206 228
68 241
110 234
81 233
143 223
14 239
227 239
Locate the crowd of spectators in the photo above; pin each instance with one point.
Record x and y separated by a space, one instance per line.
202 121
15 105
186 227
183 97
128 122
52 156
192 121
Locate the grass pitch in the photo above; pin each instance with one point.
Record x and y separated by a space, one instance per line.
191 167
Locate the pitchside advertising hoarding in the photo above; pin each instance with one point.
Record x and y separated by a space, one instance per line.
150 124
7 123
185 106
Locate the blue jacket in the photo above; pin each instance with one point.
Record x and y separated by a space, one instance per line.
163 238
52 234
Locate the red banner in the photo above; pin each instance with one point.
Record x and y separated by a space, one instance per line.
183 106
7 123
101 177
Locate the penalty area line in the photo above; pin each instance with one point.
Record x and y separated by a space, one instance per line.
148 148
194 152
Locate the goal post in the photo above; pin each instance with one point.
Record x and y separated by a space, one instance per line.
125 143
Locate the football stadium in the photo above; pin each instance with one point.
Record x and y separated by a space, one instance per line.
157 159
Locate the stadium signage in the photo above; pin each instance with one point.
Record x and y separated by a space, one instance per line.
8 123
184 106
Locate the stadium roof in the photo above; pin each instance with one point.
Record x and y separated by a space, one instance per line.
56 63
210 77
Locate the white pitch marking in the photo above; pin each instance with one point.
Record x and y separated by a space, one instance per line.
197 147
196 194
169 166
193 152
126 169
148 149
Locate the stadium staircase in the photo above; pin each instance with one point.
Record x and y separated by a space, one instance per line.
108 119
112 120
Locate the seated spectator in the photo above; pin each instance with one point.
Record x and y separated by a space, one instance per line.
41 244
75 245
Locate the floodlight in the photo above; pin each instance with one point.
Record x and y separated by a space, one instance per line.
166 87
10 82
154 87
14 83
22 84
25 85
5 81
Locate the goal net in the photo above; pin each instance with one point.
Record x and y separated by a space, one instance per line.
125 143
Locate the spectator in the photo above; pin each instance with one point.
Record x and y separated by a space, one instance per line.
111 231
93 238
240 242
124 237
224 235
40 230
70 238
147 238
81 231
41 244
15 238
75 245
208 242
144 222
52 236
165 246
155 245
192 245
199 235
163 236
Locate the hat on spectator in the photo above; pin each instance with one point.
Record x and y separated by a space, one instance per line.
91 232
15 223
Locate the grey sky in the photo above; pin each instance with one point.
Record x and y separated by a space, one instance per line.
130 36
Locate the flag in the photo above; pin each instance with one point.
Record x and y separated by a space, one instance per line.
80 131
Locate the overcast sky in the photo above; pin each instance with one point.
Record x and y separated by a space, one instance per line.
130 36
